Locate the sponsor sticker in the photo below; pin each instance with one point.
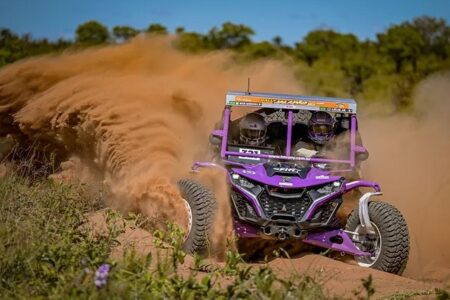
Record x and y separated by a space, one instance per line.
289 102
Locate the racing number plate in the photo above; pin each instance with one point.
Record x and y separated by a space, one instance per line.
249 151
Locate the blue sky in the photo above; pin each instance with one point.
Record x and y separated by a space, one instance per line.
289 19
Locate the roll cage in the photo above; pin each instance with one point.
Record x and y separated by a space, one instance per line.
291 105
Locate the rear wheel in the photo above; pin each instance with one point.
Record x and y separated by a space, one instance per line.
388 245
200 207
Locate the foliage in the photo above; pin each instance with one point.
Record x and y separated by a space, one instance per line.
156 29
124 33
192 42
319 43
277 41
401 43
43 239
14 47
367 289
357 69
179 30
442 294
436 35
230 36
260 50
92 33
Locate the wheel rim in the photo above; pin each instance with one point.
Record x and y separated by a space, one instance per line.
371 243
188 217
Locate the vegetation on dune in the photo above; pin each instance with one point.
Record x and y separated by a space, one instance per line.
328 62
48 250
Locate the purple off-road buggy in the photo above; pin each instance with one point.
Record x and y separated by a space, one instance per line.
277 193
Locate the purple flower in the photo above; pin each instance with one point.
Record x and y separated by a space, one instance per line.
101 275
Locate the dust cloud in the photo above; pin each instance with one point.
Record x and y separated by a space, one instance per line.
409 157
137 115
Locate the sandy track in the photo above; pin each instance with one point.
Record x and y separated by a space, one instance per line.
342 278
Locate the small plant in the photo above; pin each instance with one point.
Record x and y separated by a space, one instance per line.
367 289
172 238
232 262
410 295
442 294
101 275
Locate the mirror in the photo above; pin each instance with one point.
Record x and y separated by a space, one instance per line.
215 140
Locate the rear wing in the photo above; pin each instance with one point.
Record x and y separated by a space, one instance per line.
286 101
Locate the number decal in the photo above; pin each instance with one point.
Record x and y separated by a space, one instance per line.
249 151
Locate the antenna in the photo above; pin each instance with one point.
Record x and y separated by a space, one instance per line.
248 85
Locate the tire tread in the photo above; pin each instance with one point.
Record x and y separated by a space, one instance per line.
202 203
394 234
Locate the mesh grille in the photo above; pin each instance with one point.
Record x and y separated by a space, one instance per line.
323 213
243 206
273 206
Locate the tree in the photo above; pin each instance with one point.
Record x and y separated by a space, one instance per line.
307 52
6 34
156 29
319 43
357 69
124 33
435 34
14 47
230 36
260 50
277 41
92 33
401 43
192 42
179 30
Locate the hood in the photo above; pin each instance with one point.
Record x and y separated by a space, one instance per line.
286 175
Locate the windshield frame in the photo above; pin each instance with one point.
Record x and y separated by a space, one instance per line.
225 153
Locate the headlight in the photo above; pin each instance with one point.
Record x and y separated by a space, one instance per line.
337 184
245 183
325 190
322 166
242 181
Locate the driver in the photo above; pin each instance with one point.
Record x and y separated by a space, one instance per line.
252 130
321 128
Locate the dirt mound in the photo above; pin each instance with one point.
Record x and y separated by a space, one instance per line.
343 278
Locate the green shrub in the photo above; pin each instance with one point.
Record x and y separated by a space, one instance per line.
49 251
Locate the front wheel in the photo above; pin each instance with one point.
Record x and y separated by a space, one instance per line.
389 245
200 207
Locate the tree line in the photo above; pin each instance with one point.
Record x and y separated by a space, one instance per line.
328 62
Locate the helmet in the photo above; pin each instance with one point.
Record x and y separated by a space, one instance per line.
252 130
321 127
